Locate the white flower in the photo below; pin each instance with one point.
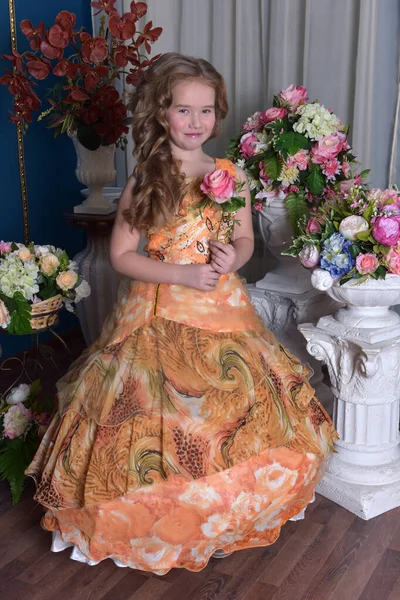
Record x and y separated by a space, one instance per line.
4 315
18 276
82 291
18 394
289 175
351 226
316 121
49 264
24 253
321 279
201 495
15 420
66 280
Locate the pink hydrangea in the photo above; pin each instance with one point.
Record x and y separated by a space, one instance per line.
16 420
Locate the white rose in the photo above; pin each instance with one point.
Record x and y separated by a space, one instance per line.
41 250
24 254
18 394
4 315
49 264
66 280
321 279
351 226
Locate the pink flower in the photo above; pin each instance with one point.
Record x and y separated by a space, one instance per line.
300 160
253 123
393 260
5 247
218 185
386 230
331 168
345 186
328 147
294 96
246 145
366 264
345 168
258 206
15 420
263 174
313 226
309 256
272 114
293 189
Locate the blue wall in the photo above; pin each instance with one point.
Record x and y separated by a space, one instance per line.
50 163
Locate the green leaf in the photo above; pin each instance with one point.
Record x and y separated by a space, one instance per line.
15 457
273 166
354 250
261 156
364 236
291 143
364 174
48 290
64 260
20 321
297 207
368 212
381 272
315 180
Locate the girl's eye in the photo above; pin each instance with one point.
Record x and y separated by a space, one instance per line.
207 110
183 110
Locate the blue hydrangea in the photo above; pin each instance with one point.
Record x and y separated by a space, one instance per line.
335 256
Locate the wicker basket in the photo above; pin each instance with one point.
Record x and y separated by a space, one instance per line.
45 314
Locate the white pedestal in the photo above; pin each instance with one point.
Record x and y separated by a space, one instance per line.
363 363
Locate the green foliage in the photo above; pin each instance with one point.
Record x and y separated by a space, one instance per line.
15 456
290 143
21 317
315 180
297 207
272 166
49 289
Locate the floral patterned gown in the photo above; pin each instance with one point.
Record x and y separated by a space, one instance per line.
186 427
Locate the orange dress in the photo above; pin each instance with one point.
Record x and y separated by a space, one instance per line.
187 427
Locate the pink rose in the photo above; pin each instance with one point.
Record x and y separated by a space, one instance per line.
246 145
393 260
16 420
272 114
294 96
386 230
218 185
366 264
309 256
313 226
328 147
300 159
5 247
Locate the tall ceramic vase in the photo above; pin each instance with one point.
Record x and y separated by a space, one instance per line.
95 168
360 344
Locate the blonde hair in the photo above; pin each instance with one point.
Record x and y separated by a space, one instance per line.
158 185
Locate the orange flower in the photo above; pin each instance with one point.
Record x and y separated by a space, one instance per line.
179 526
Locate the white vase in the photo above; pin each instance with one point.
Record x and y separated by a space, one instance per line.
360 344
288 276
95 168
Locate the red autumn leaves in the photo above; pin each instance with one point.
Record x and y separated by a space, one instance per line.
88 64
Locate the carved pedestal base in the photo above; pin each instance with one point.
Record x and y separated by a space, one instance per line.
363 364
282 312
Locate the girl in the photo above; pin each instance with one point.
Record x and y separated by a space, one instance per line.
186 428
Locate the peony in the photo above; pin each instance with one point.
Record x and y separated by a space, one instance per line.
4 315
218 185
66 280
313 226
272 114
351 226
321 279
366 264
247 145
15 420
49 264
5 247
294 96
18 394
392 260
309 256
386 230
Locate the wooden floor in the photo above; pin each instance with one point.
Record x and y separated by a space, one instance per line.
331 555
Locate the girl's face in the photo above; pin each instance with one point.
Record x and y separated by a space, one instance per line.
191 116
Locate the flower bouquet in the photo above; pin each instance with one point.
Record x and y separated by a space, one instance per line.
84 102
221 188
351 236
296 151
24 417
29 277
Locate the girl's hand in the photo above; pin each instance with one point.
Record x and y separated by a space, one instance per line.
223 257
200 277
